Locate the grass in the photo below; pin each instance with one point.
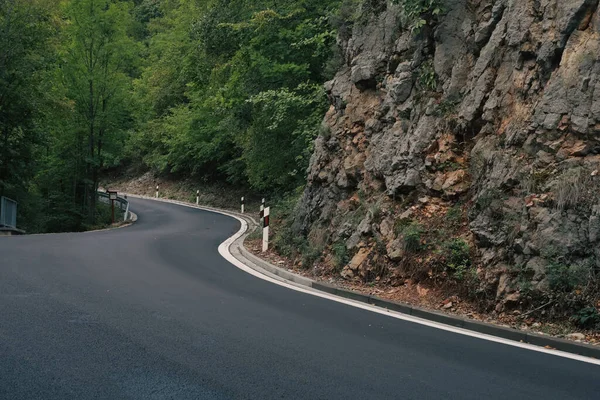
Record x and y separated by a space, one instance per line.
576 188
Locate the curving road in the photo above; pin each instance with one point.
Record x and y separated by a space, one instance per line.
152 311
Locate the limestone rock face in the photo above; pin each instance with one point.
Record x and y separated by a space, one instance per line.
496 103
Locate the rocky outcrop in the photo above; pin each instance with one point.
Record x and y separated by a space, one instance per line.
496 105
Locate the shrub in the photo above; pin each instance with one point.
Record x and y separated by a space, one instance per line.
588 317
412 237
287 243
458 257
565 277
420 12
310 255
341 257
454 215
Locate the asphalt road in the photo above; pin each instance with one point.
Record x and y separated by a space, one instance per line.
152 311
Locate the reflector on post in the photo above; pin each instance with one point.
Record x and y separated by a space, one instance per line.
266 230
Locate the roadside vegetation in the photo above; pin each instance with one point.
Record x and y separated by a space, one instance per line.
214 91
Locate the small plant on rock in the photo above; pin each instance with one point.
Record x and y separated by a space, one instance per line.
427 78
565 277
458 257
420 12
412 237
341 256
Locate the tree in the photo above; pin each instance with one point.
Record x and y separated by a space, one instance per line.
27 33
24 32
99 54
217 76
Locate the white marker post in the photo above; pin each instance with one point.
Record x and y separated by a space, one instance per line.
157 191
198 197
242 205
262 212
265 246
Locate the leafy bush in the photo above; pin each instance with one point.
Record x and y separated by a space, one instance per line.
458 257
565 277
427 78
588 317
341 257
420 12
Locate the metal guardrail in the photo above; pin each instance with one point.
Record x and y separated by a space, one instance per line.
8 213
123 204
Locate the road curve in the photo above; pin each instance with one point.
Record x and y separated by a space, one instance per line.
153 311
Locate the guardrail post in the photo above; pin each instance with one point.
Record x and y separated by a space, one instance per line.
157 191
198 197
265 245
242 205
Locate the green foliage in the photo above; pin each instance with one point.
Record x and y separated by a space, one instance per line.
310 255
427 78
291 245
287 242
255 234
27 33
412 237
489 197
565 277
448 107
221 90
400 225
376 212
341 256
65 74
458 257
279 141
233 90
420 13
454 215
98 55
587 318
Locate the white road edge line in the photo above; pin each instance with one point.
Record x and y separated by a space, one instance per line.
226 254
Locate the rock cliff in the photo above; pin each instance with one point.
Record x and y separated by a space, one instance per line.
466 151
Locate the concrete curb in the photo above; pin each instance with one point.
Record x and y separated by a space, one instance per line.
132 217
239 251
464 323
568 346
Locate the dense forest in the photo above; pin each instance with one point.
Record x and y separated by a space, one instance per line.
221 90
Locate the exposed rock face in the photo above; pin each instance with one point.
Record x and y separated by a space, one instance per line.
496 104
